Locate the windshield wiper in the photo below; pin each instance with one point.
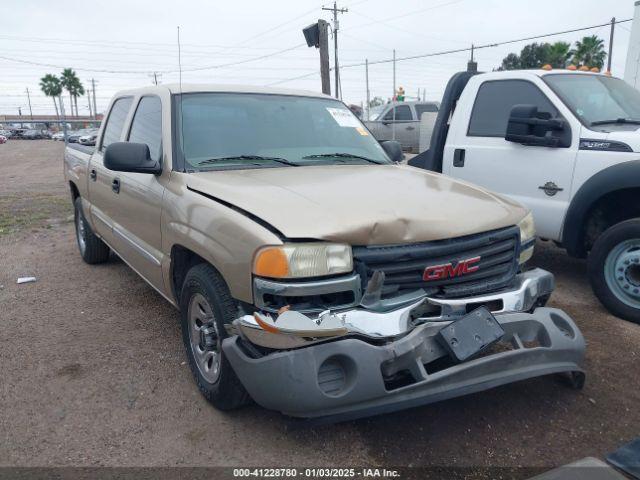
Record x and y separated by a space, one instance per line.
630 121
344 155
248 157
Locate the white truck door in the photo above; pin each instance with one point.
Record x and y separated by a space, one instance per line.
476 151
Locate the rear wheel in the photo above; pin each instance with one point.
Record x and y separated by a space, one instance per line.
92 249
205 307
614 269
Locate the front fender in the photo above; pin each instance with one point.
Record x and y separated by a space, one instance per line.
617 177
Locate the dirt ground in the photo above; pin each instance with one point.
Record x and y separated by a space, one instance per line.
92 369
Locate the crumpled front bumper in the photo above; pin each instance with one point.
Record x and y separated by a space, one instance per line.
350 377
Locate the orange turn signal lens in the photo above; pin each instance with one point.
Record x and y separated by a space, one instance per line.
271 262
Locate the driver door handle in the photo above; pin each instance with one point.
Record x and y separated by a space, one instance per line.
411 128
93 175
458 157
115 185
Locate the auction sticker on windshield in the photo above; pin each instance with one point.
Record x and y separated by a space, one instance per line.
344 118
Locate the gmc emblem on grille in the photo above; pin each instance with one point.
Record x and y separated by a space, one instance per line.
447 270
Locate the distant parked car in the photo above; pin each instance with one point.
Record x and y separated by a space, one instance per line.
58 136
400 121
89 138
74 137
6 133
32 135
3 139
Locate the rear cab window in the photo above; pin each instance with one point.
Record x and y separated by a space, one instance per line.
425 108
115 122
494 101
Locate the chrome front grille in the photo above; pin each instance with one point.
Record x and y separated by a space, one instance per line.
404 265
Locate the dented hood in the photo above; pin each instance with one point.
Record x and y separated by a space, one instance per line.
360 204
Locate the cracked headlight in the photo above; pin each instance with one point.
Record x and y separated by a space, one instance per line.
527 237
302 260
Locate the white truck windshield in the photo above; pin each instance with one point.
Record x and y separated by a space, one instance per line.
597 99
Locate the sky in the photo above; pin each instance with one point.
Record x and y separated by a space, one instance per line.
121 44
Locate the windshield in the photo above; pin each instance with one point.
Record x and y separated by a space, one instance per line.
596 98
236 130
375 112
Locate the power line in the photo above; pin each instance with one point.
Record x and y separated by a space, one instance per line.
195 69
488 45
293 78
458 50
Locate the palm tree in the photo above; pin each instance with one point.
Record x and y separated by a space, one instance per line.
67 78
590 52
51 87
72 84
558 54
78 91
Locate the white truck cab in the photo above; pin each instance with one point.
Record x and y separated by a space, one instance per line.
564 143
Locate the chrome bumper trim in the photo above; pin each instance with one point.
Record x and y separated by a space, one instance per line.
528 289
350 283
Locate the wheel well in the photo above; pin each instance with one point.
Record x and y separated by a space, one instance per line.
75 193
610 209
182 260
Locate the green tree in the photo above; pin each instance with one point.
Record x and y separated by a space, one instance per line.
510 62
72 84
51 87
559 54
590 52
534 55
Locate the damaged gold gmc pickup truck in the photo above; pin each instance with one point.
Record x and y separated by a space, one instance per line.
314 273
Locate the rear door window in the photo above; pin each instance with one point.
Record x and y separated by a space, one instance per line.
425 108
115 122
147 125
495 100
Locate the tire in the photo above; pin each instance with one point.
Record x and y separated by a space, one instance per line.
614 269
92 249
205 307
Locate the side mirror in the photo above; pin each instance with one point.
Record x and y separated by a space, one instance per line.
527 126
130 157
393 149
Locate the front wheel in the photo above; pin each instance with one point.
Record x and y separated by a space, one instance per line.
614 269
205 307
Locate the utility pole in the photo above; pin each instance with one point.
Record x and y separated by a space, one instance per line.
366 74
89 102
64 121
323 38
29 100
393 98
613 26
95 109
394 73
316 36
336 27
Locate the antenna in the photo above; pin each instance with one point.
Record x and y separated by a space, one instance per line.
179 61
184 167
